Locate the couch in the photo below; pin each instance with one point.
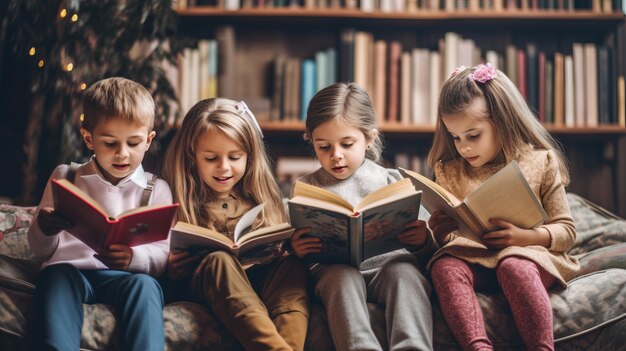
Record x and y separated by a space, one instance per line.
588 315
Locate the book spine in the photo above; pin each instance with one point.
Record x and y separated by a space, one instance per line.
226 50
356 240
346 56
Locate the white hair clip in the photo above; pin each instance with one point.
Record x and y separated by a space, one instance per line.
243 108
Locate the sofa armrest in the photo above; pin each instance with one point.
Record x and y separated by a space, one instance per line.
14 224
596 227
18 274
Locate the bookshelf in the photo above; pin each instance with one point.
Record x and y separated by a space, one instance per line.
597 154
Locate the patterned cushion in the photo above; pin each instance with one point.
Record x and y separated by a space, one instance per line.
595 226
14 223
588 315
612 256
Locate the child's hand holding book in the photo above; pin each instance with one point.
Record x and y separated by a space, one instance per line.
51 222
415 233
509 234
181 263
116 256
302 244
442 226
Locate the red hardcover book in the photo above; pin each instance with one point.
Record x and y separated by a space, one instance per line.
97 229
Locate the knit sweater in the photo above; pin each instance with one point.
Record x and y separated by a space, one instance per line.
368 178
540 167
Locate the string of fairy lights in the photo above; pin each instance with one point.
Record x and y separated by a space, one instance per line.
32 51
68 66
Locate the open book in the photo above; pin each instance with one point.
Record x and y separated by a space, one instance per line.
250 246
98 229
350 235
505 195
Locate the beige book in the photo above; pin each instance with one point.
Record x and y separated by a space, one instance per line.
420 87
451 61
511 63
578 55
569 113
591 85
498 5
492 57
380 79
596 5
405 88
203 77
506 195
249 246
362 58
466 53
559 90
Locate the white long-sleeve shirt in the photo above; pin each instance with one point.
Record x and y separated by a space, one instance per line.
65 248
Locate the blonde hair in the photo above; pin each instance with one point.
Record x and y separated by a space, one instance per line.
180 168
516 126
117 97
351 104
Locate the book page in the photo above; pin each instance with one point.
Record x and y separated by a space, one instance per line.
311 191
507 196
247 238
388 201
402 186
202 233
246 221
321 204
429 186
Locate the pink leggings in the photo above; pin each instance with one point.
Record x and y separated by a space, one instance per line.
524 285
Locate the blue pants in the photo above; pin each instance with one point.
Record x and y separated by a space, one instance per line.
58 307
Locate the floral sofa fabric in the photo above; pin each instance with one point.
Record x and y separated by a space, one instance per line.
589 315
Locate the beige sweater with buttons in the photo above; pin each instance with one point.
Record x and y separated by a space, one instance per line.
540 167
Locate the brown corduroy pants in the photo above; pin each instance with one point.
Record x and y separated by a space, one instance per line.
265 307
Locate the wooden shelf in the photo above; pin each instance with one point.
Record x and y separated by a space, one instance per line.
298 127
282 16
600 130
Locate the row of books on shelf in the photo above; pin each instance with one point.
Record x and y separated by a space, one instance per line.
597 6
349 234
581 86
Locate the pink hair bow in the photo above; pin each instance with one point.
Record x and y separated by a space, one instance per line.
483 73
